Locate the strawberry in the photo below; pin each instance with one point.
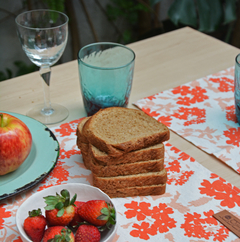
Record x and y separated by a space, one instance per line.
60 209
76 219
34 225
87 233
97 212
58 234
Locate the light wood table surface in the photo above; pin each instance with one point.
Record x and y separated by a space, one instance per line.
162 62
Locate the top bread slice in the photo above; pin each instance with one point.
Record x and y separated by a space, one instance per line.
118 130
150 153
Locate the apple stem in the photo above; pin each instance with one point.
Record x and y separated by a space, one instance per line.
1 115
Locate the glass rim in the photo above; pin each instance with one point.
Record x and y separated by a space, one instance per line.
106 43
237 61
42 10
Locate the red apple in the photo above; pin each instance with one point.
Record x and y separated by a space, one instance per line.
15 143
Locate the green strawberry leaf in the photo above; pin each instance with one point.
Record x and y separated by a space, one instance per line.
67 201
60 212
65 235
105 211
49 207
111 220
73 199
102 217
59 205
65 193
49 197
112 213
50 202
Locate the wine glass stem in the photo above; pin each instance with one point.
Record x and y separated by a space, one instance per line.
45 72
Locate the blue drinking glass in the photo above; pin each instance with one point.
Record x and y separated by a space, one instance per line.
237 87
106 75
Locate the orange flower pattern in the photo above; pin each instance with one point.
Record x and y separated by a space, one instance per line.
159 214
140 211
191 115
67 129
183 213
203 112
234 135
197 226
178 173
230 114
221 190
3 214
164 119
190 95
225 84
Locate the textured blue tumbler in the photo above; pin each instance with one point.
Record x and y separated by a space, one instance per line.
237 87
106 74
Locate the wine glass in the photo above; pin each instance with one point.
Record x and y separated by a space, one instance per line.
43 35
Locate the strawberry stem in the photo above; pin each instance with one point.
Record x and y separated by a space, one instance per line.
35 212
1 115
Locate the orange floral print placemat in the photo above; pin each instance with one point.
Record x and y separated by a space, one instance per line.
183 213
203 112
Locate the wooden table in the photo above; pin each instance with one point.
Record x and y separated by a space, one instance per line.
162 62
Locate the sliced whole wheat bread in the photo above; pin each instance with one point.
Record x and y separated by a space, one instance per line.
144 179
127 164
119 130
133 166
84 151
80 137
125 169
150 153
136 191
82 142
82 146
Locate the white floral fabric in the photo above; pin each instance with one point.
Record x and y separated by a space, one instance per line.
183 213
203 112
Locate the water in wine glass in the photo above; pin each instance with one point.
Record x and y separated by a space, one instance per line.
44 56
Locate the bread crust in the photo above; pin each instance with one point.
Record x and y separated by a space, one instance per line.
125 169
151 153
136 191
80 137
151 178
84 151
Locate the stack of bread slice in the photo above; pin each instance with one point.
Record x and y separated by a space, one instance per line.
124 150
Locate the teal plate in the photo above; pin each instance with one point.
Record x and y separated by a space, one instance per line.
39 163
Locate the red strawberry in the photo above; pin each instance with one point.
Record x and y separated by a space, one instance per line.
60 210
34 225
87 233
97 212
76 219
58 233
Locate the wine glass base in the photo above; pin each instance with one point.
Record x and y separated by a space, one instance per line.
58 114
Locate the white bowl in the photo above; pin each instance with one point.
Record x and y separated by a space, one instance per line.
84 193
